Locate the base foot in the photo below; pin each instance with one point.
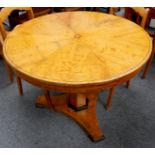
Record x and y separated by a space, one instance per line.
87 118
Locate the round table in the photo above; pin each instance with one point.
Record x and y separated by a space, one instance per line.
79 53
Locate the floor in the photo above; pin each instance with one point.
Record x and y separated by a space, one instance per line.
130 122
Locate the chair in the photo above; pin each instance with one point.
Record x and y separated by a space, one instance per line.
148 64
151 15
102 9
4 14
1 45
139 15
67 9
40 11
17 18
142 14
136 14
113 10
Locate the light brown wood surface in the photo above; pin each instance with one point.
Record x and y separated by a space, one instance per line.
77 48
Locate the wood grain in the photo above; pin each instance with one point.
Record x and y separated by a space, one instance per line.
77 48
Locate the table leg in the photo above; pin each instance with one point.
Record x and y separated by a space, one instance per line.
110 95
19 84
9 70
78 102
86 118
48 99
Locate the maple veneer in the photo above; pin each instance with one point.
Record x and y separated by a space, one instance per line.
77 53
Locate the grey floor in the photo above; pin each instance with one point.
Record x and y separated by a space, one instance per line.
130 122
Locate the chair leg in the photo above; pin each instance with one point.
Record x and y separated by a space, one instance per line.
147 67
48 99
19 84
110 95
9 71
128 84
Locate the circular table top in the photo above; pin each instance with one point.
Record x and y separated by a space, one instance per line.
74 48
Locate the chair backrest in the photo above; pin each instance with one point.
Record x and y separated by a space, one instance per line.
5 12
141 14
39 11
112 10
68 9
